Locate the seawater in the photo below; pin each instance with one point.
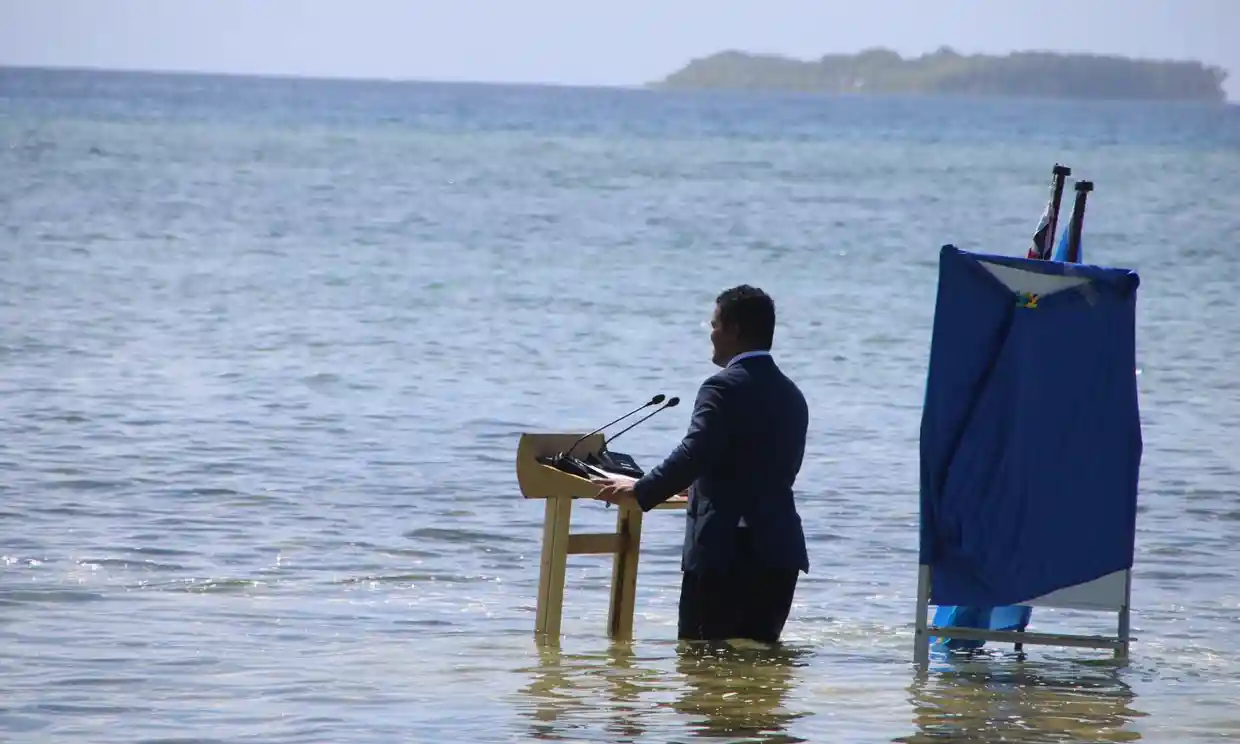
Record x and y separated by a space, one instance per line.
267 347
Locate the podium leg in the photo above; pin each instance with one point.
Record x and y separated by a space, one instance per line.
624 574
556 518
921 635
1124 630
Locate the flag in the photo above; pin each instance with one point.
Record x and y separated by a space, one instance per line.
1042 236
1061 250
1043 248
1013 617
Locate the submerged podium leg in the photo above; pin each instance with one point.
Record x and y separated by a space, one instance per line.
921 638
624 573
1124 629
556 518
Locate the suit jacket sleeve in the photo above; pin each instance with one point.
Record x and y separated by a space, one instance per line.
701 447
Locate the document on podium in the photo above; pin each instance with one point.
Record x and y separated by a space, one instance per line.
614 477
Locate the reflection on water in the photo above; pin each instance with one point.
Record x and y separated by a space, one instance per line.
739 692
1021 702
571 692
752 693
734 692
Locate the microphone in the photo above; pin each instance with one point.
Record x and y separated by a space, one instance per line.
565 461
618 462
656 400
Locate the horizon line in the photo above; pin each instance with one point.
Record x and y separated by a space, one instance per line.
312 77
647 87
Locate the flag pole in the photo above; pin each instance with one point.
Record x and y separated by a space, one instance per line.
1044 235
1078 221
1060 175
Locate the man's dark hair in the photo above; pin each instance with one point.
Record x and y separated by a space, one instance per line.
751 311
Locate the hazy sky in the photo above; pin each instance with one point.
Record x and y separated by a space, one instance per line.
609 42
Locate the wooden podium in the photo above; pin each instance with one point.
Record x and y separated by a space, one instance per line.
559 489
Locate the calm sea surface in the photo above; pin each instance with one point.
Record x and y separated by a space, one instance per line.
266 348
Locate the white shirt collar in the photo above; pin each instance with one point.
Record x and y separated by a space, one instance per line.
747 355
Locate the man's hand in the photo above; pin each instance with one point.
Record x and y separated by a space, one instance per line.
615 490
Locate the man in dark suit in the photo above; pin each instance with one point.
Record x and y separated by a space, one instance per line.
744 545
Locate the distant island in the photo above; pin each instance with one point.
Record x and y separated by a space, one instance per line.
947 72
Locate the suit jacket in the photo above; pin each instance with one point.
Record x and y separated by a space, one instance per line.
739 460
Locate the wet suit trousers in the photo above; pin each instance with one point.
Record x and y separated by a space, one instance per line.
745 600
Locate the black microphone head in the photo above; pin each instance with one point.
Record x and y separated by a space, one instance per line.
672 402
656 400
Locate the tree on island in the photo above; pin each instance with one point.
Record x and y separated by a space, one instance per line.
947 72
